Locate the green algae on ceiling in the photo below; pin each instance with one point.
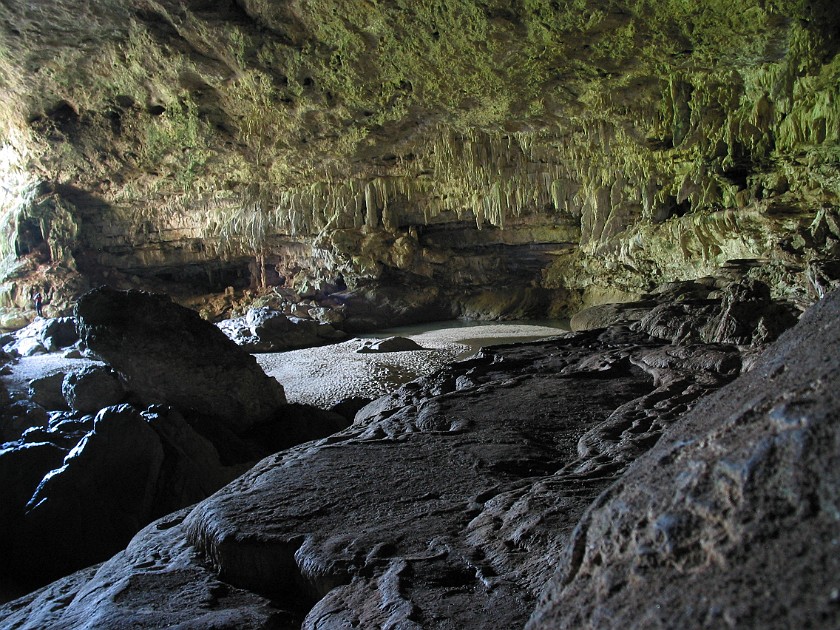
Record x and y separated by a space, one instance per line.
241 120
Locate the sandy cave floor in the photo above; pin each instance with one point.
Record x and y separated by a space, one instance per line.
326 375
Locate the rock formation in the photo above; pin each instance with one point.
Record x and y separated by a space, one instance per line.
267 330
358 165
602 478
731 519
81 478
167 354
427 159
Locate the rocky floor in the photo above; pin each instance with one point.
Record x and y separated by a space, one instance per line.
447 504
604 478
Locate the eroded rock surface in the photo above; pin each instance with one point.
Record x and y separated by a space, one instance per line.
448 504
732 519
267 330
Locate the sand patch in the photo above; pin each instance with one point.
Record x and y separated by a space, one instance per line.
324 376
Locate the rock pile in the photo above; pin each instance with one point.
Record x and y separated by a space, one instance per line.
740 313
41 336
96 453
604 479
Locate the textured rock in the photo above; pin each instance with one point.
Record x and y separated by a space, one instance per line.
266 330
167 354
743 315
90 389
732 518
127 465
390 344
97 500
43 335
57 332
592 469
605 315
447 504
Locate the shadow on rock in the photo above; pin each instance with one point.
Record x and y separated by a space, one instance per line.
189 411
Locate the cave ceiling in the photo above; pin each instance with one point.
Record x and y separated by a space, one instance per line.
650 139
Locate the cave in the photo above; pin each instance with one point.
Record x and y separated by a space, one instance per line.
223 205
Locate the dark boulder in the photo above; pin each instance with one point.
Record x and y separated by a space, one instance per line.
743 314
167 354
389 344
41 336
605 315
731 520
57 332
47 391
92 388
267 330
98 499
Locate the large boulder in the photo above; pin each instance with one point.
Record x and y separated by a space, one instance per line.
732 519
264 329
743 314
41 336
167 354
389 344
605 315
98 499
47 391
126 469
92 388
56 332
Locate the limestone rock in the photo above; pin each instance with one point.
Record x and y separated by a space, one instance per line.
97 500
605 315
57 332
743 315
267 330
27 347
731 518
184 594
599 472
47 391
446 508
390 344
92 388
122 469
43 335
21 468
167 354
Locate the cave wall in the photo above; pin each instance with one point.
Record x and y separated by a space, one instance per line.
586 148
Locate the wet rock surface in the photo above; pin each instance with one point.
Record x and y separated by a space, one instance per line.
454 501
